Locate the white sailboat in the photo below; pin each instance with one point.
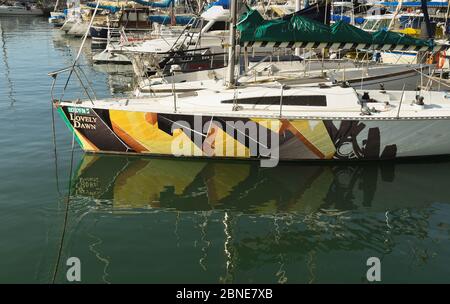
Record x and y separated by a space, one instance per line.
73 24
206 32
270 121
57 18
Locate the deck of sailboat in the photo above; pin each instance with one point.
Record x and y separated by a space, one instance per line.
302 102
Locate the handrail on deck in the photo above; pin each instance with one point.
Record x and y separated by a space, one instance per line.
57 72
281 98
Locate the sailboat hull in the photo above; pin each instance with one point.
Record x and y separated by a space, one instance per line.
128 132
78 29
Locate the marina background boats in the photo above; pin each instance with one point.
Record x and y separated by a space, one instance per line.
198 221
21 9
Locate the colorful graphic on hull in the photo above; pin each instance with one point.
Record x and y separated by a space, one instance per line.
100 130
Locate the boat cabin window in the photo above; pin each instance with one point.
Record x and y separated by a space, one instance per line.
368 25
218 26
340 10
383 24
410 22
298 100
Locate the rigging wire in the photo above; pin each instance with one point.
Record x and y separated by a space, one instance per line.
81 47
66 213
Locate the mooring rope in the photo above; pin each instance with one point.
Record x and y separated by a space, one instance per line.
54 138
66 213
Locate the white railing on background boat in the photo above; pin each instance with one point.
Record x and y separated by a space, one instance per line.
281 99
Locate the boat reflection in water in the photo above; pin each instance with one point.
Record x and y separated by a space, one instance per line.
119 182
293 223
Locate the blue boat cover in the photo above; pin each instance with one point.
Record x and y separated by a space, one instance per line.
224 3
415 4
162 4
346 19
165 19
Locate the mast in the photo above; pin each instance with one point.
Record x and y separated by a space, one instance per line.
298 4
56 6
397 10
426 18
232 44
446 17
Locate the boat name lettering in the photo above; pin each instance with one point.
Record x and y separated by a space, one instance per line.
83 122
82 111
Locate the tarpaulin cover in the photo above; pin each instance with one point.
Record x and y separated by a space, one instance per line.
223 3
297 28
388 37
358 20
253 27
415 3
162 4
165 19
342 31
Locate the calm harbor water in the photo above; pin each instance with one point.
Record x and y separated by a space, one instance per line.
150 220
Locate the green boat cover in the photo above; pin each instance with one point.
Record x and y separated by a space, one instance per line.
342 31
248 23
253 27
388 37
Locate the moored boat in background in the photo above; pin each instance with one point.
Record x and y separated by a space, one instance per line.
57 19
21 9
